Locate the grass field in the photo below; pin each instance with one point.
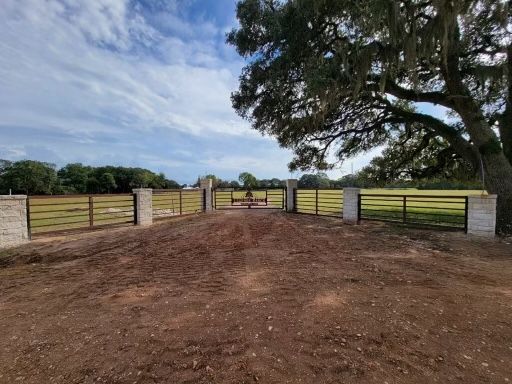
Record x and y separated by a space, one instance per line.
177 203
73 212
70 212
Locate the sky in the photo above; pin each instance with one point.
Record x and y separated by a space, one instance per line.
142 83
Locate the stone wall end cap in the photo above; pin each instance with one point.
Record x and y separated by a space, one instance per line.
13 197
483 196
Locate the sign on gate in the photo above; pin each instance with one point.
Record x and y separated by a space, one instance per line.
261 198
249 201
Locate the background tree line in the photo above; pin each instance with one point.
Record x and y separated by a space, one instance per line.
371 176
39 178
367 178
245 180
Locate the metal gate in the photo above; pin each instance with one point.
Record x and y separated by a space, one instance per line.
247 199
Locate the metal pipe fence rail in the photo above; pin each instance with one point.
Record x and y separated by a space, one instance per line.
65 212
319 201
419 210
176 202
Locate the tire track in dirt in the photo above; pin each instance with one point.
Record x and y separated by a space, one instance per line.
243 296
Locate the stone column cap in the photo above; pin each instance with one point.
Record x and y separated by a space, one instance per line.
13 197
483 196
136 190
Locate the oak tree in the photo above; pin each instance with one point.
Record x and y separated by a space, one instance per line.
345 76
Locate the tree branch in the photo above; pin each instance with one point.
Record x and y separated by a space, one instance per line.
439 98
463 148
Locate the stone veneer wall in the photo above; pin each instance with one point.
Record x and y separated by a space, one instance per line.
13 221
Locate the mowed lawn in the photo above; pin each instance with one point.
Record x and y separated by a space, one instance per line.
73 212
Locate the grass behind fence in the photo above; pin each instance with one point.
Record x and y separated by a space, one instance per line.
441 209
72 212
323 202
49 214
176 202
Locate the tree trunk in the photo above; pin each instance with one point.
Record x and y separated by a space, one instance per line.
498 180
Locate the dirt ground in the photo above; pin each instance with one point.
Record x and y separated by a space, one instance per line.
257 296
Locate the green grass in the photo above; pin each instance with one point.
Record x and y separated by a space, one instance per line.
50 214
175 203
72 212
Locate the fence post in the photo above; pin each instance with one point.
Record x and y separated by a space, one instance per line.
206 185
291 186
91 211
29 226
316 201
351 205
13 221
143 206
404 210
359 203
466 215
181 203
481 215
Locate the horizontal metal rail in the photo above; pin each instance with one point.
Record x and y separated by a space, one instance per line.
45 197
177 202
319 201
429 210
56 213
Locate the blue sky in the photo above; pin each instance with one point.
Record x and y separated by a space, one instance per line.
136 83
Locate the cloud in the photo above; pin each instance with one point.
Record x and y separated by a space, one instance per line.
88 69
137 83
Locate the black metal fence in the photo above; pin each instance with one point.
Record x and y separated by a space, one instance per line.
425 210
319 201
65 212
175 202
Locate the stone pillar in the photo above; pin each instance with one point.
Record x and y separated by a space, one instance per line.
144 206
482 215
13 221
351 205
206 185
291 185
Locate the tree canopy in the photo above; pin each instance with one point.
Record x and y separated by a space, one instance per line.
318 180
248 180
339 77
28 177
35 177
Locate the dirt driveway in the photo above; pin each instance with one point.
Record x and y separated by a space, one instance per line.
245 297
